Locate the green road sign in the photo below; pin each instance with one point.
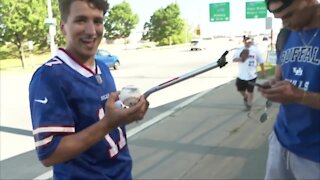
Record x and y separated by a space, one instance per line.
219 12
256 9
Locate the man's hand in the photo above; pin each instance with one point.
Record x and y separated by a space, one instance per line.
281 92
115 116
244 54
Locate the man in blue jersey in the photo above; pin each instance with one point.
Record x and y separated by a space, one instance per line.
294 145
78 121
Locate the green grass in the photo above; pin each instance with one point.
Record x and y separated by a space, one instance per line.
30 65
269 69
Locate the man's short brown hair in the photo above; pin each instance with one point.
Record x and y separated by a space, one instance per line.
64 6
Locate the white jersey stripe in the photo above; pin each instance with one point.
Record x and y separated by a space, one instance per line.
71 63
55 61
44 141
53 129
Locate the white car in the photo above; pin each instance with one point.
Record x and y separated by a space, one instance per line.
197 44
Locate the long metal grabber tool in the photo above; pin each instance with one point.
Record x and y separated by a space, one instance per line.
220 63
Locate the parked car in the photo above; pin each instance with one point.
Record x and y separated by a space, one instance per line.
197 44
107 58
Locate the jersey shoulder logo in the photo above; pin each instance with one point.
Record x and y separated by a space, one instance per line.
42 101
53 62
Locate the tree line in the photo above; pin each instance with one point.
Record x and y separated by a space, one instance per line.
23 21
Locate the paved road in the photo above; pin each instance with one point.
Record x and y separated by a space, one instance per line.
202 136
142 68
210 138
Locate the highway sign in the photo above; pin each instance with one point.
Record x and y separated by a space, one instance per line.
219 11
256 9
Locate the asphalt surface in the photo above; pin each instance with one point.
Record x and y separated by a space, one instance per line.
209 138
203 136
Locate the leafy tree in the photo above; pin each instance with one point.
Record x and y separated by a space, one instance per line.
120 21
2 26
22 21
165 26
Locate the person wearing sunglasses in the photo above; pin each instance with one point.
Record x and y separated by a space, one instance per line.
294 144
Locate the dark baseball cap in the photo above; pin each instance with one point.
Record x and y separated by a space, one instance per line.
285 4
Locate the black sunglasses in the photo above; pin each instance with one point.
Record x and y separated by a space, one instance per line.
264 115
285 4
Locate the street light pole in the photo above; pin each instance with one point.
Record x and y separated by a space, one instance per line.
186 30
52 28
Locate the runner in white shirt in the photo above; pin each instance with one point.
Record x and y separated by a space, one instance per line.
248 69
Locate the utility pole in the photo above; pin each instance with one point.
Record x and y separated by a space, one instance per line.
52 28
186 30
269 26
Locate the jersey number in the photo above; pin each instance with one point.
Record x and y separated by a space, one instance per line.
114 146
251 64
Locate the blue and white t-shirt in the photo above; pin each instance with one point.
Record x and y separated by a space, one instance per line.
65 98
298 126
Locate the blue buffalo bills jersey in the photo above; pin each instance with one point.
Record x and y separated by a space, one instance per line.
65 98
298 126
